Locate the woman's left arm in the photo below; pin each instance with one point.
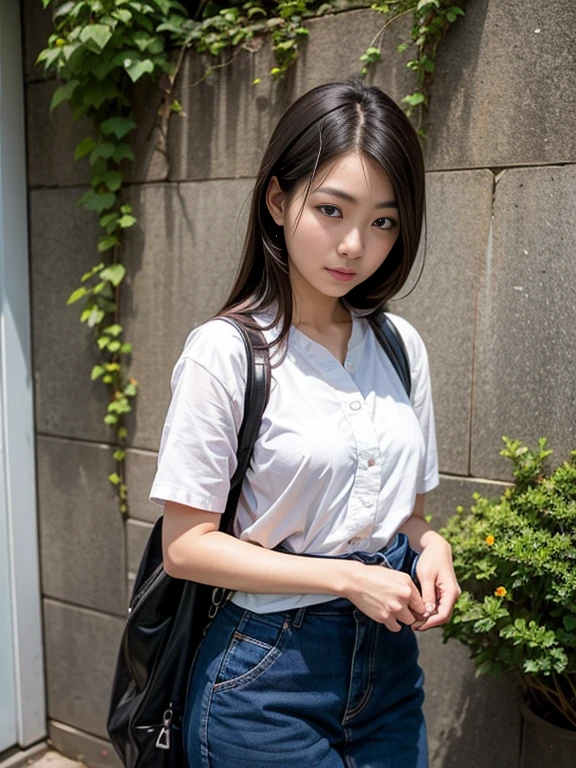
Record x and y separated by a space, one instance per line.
440 588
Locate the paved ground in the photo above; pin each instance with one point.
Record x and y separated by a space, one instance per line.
54 760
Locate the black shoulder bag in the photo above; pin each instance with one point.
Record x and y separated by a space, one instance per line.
167 617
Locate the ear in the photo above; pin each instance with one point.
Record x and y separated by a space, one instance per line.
276 201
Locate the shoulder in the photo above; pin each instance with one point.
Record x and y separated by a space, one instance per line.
218 346
413 341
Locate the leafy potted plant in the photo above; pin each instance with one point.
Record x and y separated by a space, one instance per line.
515 558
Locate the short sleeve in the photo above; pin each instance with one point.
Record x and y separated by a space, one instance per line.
421 399
197 453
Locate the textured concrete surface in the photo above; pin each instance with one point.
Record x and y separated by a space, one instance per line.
37 27
525 342
81 648
503 90
229 120
140 471
77 745
52 139
471 721
180 268
441 503
443 304
81 529
137 534
63 239
55 760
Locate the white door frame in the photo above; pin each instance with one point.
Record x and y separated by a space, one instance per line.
17 444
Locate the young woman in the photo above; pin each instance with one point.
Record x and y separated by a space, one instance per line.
313 658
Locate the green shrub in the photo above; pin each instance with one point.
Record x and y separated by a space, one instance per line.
515 559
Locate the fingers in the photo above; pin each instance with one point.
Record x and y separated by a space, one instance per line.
445 607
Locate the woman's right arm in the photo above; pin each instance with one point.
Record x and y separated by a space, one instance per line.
194 549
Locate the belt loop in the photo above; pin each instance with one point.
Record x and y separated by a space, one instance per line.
299 617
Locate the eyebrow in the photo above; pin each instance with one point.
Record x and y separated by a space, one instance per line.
351 199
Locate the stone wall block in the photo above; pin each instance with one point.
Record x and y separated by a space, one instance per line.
525 344
503 91
81 529
472 722
37 28
442 306
63 239
137 534
140 471
81 650
91 751
180 268
52 139
229 121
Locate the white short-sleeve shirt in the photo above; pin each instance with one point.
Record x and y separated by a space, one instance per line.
341 452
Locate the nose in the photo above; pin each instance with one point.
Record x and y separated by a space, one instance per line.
351 245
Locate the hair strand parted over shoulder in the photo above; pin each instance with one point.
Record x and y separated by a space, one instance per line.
325 123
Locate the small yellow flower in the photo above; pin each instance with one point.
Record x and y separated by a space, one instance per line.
490 540
60 42
500 592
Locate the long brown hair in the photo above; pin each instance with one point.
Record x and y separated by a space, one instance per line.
323 124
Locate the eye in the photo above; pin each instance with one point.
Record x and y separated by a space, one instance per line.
385 218
329 209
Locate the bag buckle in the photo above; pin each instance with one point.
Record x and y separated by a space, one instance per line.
163 740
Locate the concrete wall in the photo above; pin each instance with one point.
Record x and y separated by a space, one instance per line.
495 306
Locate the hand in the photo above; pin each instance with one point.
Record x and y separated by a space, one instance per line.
385 595
440 588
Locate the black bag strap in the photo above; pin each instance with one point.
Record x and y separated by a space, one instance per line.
391 341
255 399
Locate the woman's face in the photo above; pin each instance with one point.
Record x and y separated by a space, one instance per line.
347 228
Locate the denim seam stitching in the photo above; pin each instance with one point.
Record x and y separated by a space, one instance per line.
264 664
363 702
253 640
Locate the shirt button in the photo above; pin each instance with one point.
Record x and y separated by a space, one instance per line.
349 366
355 405
309 348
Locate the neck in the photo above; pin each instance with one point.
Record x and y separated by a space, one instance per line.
313 308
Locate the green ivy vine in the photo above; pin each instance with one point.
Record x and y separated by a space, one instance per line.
100 48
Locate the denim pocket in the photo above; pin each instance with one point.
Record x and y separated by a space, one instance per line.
254 646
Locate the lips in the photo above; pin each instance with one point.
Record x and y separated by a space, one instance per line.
343 275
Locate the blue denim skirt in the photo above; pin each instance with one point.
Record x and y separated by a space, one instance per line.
324 686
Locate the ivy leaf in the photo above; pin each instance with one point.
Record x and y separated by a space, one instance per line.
63 93
109 221
136 69
414 99
84 147
105 149
113 330
122 152
126 221
105 243
119 126
91 272
122 14
97 371
112 180
115 273
76 295
97 202
99 34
